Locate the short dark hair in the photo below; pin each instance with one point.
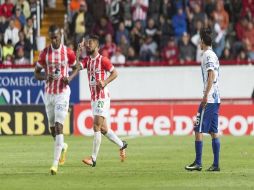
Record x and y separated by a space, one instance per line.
206 36
53 29
94 37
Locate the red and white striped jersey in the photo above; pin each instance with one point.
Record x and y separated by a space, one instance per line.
97 69
56 62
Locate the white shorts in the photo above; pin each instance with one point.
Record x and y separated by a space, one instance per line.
101 107
57 106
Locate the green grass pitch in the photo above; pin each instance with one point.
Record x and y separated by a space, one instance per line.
152 163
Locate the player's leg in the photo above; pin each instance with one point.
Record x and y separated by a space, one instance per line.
215 140
97 125
51 119
105 112
216 153
199 125
197 164
49 107
61 111
63 99
58 147
107 132
52 131
198 147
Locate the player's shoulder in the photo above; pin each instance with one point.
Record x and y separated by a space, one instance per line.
210 54
69 50
44 51
105 59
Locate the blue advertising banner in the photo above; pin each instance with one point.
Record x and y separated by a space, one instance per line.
21 87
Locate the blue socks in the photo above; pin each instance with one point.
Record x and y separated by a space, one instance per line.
216 151
198 148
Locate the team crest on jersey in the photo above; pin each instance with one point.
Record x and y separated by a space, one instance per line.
208 65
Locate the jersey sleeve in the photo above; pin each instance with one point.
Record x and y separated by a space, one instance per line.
71 57
210 62
106 64
41 63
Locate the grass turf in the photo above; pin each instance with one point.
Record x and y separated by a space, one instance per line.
152 163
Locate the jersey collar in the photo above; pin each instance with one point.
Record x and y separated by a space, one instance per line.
95 57
54 48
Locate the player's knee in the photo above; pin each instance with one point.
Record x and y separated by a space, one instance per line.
96 127
198 136
214 135
58 128
53 131
104 131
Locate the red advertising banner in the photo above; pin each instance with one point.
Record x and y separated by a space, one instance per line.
164 119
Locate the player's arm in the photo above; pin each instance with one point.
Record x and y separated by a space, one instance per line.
112 76
38 68
75 68
38 75
80 64
210 80
110 68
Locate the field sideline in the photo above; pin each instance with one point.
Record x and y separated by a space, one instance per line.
152 163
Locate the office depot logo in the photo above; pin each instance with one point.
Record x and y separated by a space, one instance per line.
164 119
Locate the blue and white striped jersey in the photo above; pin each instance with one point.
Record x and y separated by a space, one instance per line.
210 62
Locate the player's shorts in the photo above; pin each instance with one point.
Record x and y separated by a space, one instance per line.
57 106
101 107
207 118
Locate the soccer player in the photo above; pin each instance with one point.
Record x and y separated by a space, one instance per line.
97 67
207 116
56 60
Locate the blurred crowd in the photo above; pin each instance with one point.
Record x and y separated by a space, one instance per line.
163 30
16 31
137 30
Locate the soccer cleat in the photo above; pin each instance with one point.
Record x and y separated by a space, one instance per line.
89 161
123 152
63 154
193 167
213 169
53 170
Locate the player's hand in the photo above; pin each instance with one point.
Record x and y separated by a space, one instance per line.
50 78
66 80
204 101
101 84
81 44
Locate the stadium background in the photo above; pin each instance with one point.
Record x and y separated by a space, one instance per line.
154 46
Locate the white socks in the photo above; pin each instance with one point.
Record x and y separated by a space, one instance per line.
115 139
59 142
96 144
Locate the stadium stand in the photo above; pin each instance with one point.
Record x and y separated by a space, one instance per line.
142 32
